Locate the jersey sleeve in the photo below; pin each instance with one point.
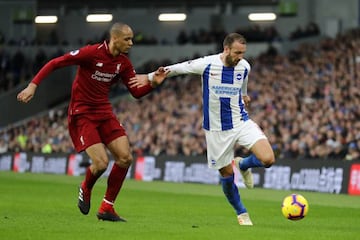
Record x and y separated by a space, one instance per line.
195 66
75 57
246 78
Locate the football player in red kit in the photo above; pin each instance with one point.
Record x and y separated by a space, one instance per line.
92 125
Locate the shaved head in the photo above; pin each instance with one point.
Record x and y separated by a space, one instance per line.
121 36
118 28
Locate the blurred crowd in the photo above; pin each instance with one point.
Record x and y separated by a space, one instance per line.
307 103
253 33
17 67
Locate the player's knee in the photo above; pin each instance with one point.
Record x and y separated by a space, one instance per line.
100 164
128 160
226 171
125 161
268 160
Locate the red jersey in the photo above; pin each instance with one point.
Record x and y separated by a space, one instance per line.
97 71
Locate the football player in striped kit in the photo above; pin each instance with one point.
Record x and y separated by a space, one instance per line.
225 120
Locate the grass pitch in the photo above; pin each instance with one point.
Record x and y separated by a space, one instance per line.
40 206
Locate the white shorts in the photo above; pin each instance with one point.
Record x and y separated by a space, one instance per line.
220 144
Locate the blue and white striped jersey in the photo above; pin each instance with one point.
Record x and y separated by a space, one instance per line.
222 90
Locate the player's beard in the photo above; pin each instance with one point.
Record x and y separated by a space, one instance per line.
230 62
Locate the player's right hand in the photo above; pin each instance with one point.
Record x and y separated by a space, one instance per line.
27 94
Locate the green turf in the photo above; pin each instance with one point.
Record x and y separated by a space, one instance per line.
39 206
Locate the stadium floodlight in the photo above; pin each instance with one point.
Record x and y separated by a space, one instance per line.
46 19
262 16
171 17
99 18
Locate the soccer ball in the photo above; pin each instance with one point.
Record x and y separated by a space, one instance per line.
295 207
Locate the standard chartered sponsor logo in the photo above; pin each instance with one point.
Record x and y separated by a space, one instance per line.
103 77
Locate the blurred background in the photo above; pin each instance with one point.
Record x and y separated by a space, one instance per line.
304 81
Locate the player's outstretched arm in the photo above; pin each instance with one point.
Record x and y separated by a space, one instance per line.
27 94
140 80
154 78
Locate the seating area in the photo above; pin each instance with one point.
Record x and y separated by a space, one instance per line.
307 102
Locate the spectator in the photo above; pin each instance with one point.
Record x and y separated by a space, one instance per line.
298 98
3 146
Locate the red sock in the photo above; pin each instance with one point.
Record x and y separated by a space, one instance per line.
114 182
90 179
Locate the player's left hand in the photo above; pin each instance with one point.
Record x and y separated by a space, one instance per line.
159 76
141 80
246 100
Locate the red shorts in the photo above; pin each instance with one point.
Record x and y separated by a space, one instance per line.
85 131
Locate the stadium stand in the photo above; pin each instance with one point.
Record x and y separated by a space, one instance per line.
306 102
19 65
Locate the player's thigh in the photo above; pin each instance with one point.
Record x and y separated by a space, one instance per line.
111 129
120 149
113 135
97 154
250 134
220 148
263 151
84 132
254 139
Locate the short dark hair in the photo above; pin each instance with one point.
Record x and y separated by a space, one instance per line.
232 37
